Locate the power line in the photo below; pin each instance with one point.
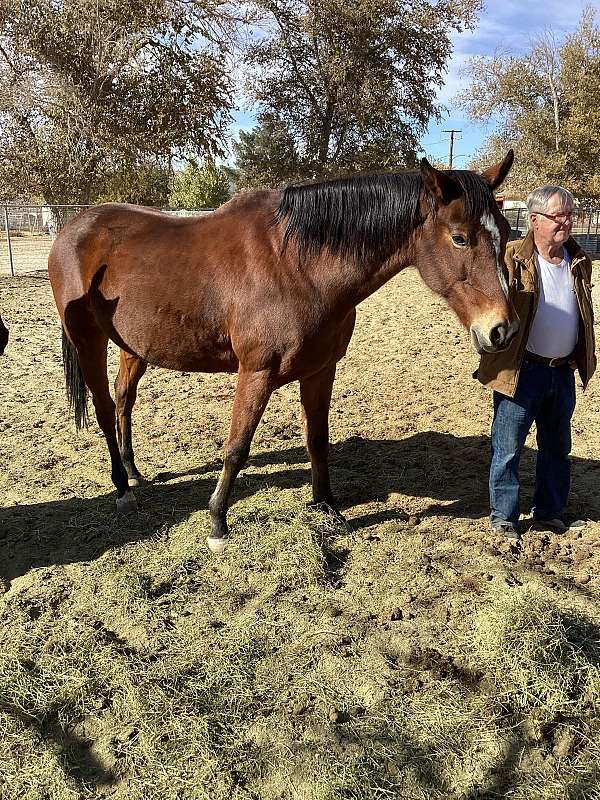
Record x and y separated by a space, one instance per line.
432 144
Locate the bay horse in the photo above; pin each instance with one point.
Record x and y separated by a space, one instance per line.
3 336
267 286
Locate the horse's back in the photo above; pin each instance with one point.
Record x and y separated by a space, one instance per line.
109 214
123 222
118 221
120 235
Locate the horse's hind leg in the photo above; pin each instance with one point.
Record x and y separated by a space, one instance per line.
131 369
91 345
251 397
315 396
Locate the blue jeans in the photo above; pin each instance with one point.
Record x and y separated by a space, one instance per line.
546 396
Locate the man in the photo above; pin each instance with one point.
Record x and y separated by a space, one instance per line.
549 278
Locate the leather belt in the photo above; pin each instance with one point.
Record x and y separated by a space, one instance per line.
560 361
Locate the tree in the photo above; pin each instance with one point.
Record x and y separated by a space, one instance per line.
90 89
267 155
545 108
351 84
143 183
204 187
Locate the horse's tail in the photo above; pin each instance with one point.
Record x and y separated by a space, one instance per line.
75 384
3 336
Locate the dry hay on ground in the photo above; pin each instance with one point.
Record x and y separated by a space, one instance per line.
413 658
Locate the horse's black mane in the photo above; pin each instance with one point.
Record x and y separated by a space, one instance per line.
365 216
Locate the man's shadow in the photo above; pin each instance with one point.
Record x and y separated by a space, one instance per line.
450 471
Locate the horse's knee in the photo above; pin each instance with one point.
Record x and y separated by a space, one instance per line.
120 392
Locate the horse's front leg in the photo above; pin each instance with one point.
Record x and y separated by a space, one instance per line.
251 397
315 396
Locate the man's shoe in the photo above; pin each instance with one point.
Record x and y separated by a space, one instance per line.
559 524
507 529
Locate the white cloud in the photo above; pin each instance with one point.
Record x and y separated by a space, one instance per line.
510 25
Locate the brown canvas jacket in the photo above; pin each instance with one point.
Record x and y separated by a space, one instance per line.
500 371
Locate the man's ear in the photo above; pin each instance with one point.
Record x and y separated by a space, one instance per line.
439 184
495 175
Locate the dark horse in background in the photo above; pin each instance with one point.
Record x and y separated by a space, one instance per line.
267 287
3 336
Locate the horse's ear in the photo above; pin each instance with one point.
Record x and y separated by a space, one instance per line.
439 184
495 175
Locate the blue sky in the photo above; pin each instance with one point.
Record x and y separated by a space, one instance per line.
505 24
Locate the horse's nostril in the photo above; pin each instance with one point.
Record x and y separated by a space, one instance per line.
498 335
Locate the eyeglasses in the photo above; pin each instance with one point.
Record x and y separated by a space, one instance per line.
564 216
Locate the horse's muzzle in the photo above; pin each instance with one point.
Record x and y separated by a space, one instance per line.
497 337
3 338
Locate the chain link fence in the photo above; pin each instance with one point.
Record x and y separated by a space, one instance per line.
586 226
27 232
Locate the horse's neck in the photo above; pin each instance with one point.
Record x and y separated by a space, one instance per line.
356 281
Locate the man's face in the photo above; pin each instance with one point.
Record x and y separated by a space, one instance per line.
552 227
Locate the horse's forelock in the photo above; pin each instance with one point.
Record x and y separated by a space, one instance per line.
477 195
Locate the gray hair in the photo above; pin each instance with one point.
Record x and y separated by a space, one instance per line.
538 199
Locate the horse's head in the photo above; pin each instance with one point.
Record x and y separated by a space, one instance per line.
460 254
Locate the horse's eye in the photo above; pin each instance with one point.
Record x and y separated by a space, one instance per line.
459 240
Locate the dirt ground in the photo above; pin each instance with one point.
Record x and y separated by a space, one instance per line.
409 459
409 429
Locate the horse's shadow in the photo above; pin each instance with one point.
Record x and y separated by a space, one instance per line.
450 469
449 472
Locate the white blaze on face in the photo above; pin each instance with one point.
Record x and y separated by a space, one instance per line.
489 223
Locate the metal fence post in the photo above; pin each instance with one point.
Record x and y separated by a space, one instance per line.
517 222
587 243
10 256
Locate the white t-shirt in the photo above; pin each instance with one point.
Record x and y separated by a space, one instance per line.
555 326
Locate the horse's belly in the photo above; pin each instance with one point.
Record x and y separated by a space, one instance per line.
175 340
190 361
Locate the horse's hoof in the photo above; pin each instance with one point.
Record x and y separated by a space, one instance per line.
343 523
334 515
216 546
136 480
127 504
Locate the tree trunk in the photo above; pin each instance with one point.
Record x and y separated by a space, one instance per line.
556 115
325 137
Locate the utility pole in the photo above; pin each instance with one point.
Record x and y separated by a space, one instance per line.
451 148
